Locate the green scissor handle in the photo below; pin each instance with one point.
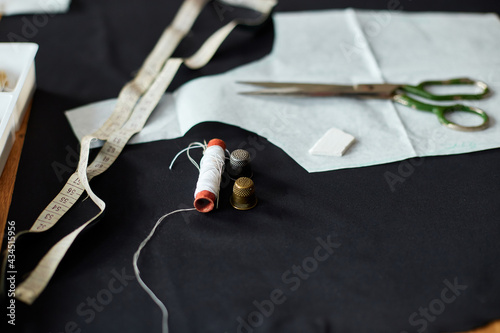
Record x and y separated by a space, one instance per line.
420 89
441 110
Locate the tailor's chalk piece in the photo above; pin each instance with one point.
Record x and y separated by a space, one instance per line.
333 143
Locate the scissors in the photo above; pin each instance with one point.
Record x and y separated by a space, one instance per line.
396 92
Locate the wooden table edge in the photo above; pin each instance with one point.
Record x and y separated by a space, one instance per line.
8 177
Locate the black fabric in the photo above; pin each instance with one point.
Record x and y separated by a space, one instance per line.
407 246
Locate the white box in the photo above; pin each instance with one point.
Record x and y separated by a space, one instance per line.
17 60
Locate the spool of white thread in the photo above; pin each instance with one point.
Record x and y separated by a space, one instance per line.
211 168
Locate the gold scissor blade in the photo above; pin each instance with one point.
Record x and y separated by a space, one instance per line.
315 89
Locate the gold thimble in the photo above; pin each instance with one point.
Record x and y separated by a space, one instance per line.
243 197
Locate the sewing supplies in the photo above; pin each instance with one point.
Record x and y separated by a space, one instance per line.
396 92
211 169
136 101
239 164
4 82
243 196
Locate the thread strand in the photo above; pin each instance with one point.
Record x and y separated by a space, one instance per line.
137 272
192 145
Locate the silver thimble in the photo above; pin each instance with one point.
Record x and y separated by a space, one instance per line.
243 197
239 164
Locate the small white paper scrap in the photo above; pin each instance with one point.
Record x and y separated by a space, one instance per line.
333 143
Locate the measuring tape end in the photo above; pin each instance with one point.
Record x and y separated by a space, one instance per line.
26 296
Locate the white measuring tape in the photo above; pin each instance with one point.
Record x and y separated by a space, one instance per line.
136 101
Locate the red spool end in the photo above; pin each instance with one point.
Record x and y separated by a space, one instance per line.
217 142
205 201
